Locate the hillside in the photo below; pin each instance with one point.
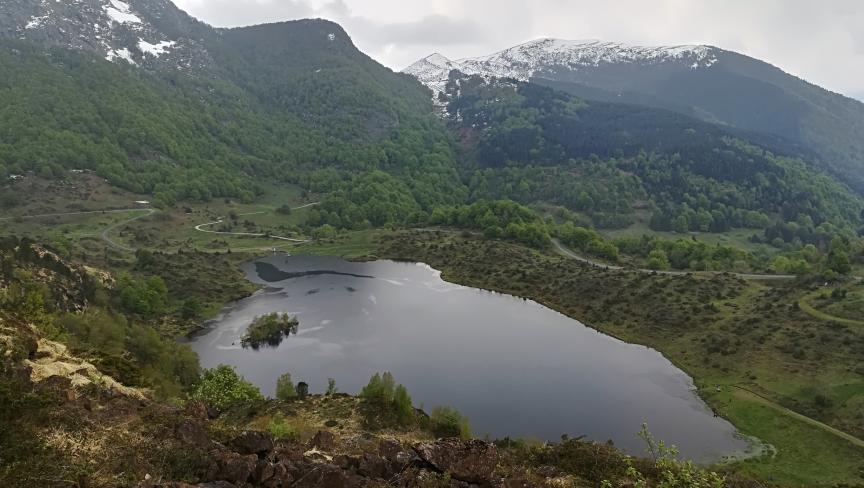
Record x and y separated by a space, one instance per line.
531 143
706 82
279 102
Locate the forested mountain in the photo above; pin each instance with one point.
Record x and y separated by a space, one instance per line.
531 143
215 112
706 82
292 102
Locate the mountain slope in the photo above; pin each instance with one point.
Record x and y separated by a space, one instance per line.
150 33
294 101
703 81
531 143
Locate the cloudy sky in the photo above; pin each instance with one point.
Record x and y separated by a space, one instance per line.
821 41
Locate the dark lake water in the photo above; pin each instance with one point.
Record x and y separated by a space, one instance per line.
514 367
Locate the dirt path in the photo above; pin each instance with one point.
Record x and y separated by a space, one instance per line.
105 233
805 306
744 393
200 227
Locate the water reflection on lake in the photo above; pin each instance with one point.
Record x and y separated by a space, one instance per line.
514 367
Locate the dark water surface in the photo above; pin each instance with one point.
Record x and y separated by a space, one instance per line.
514 367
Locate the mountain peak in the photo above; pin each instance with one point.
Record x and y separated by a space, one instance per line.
544 55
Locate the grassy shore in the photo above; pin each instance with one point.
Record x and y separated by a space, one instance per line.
722 330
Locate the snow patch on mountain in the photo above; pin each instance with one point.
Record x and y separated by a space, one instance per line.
123 54
157 49
533 58
153 34
121 12
35 22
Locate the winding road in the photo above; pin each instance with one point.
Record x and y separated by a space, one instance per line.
200 227
564 251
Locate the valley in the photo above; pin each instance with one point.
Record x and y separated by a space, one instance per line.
221 248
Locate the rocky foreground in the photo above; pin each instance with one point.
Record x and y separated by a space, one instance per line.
256 459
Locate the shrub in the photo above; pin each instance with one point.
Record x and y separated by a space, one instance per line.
402 405
222 388
280 429
379 390
448 422
285 388
331 386
391 400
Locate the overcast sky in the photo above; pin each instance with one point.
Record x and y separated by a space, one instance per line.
821 41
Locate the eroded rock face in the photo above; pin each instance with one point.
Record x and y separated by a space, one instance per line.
471 461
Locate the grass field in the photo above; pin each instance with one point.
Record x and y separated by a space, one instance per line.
738 237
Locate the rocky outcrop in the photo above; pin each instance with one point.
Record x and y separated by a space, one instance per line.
471 461
232 467
253 442
323 440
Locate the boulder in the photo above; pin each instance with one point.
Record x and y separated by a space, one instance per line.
372 466
194 434
232 467
287 454
252 442
389 449
323 440
471 461
346 462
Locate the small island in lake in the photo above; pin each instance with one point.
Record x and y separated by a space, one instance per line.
269 329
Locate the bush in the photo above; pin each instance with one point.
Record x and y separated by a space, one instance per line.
390 399
269 329
448 422
402 405
280 429
222 388
285 388
379 390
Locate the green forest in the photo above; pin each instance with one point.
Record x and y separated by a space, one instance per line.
533 144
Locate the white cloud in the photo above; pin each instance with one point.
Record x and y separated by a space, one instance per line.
822 42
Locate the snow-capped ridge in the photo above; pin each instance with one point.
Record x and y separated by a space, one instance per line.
526 60
121 31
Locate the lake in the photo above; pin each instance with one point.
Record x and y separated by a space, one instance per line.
514 367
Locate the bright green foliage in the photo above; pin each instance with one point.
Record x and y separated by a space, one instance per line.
686 254
146 297
668 471
402 405
269 329
280 429
502 218
222 388
448 422
285 388
586 240
390 398
657 259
